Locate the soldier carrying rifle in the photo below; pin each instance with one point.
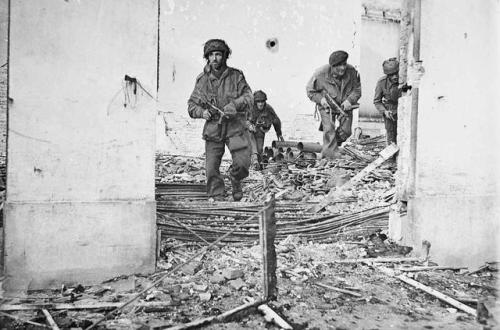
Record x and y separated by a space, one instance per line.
262 116
222 98
336 89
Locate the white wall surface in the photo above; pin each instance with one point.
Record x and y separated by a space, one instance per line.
457 206
76 157
307 32
379 41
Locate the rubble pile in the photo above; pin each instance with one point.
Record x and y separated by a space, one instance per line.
337 284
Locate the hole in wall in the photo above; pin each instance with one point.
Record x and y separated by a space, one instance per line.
272 44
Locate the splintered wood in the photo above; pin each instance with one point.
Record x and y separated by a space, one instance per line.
267 230
385 154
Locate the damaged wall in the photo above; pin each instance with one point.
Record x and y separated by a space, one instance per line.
80 196
456 204
305 33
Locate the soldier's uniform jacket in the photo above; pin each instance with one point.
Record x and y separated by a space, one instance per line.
347 87
386 96
263 119
230 87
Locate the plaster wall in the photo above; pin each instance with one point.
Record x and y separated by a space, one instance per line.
306 33
456 204
379 41
80 191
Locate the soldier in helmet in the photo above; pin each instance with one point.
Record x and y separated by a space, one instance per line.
222 98
387 93
340 82
262 116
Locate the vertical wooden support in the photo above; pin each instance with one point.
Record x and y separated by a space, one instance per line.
267 233
158 245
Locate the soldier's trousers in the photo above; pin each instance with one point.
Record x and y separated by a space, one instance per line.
333 137
238 169
391 129
257 142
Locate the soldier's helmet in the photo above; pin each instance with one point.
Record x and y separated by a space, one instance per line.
259 96
213 45
390 66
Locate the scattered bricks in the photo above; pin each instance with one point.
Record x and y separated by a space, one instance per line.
232 274
217 278
191 268
205 296
237 284
200 287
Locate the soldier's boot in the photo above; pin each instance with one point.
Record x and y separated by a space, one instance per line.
237 191
255 162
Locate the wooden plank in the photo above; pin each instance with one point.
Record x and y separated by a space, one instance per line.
453 302
267 235
216 318
50 320
423 269
272 317
104 306
23 320
334 288
371 260
384 155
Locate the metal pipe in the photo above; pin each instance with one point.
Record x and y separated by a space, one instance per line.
309 147
284 144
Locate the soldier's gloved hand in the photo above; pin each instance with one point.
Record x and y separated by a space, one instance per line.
389 115
206 115
229 110
250 126
280 138
324 103
346 105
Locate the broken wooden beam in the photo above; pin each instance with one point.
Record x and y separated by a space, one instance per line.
62 306
267 235
427 268
211 319
50 320
453 302
272 317
334 288
372 260
23 320
384 155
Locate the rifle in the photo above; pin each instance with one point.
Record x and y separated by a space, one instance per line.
215 112
334 106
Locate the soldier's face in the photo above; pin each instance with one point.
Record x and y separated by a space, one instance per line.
216 60
260 105
394 78
339 69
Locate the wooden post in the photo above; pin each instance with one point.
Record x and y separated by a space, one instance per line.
267 233
158 246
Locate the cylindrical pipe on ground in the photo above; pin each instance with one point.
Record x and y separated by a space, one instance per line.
284 144
279 157
309 155
309 147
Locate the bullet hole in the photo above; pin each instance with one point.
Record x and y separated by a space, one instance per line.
37 171
272 44
465 35
440 97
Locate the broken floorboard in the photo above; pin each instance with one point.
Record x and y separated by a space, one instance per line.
385 154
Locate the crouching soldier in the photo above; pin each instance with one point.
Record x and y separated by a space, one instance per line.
387 93
262 116
222 98
336 89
